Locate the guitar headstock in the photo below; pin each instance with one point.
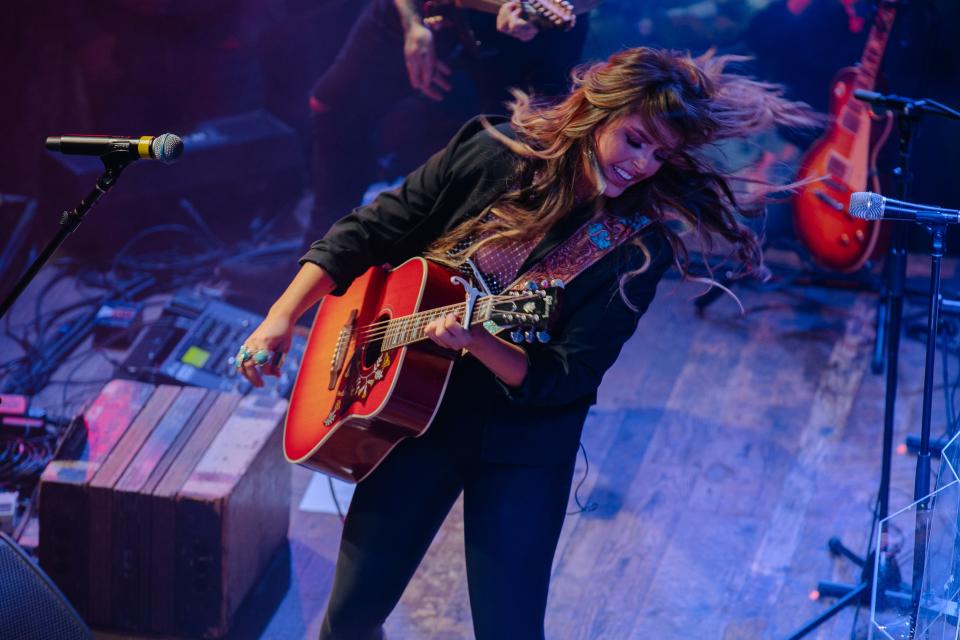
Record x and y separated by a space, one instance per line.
529 312
550 14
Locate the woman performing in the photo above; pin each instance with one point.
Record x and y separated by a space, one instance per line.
623 143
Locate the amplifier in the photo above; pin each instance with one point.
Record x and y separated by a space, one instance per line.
171 512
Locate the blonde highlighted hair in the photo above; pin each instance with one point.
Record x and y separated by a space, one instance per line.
685 103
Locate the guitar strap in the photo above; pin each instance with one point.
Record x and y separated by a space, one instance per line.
592 241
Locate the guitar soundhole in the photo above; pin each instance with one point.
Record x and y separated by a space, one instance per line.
373 347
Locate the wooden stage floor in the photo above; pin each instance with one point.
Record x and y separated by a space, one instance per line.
724 452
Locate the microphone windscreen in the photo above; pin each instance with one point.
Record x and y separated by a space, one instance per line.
167 147
866 205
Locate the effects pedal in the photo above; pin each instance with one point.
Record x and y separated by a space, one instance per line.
193 342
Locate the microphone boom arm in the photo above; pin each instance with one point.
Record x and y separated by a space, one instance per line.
114 163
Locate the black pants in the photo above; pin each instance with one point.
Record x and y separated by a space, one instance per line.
512 520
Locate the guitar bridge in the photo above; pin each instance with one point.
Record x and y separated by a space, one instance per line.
340 352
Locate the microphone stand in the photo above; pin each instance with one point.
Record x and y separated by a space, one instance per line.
114 163
921 485
895 269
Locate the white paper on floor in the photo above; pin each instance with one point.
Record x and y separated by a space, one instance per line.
319 499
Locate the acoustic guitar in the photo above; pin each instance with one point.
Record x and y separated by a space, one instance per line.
840 164
370 377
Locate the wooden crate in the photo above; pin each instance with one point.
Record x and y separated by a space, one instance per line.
173 510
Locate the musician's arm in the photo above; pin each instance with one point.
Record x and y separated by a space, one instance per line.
399 223
588 340
426 73
410 15
306 289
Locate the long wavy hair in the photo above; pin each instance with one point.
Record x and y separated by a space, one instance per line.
684 102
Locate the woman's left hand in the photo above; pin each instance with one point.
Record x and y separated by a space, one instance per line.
510 21
448 332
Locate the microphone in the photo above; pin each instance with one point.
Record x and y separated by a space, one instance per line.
873 206
166 147
889 101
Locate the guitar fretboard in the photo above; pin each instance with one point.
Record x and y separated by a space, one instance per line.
399 332
876 43
854 112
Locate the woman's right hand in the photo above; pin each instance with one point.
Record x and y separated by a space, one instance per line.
427 74
273 336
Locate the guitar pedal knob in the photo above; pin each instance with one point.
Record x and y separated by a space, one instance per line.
858 234
543 336
845 239
517 336
528 335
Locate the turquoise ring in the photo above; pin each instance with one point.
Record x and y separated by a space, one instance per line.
261 357
242 356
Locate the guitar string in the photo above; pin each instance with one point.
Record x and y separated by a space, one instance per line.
366 339
381 331
370 332
383 325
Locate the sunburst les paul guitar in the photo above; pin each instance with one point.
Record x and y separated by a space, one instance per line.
840 163
370 377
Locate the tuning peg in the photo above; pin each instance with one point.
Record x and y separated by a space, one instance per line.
543 336
517 336
530 285
528 335
558 283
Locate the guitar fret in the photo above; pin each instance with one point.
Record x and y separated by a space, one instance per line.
876 43
419 325
412 328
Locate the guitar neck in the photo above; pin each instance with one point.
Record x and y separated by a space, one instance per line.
493 6
409 329
876 44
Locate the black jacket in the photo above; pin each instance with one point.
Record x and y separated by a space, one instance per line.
539 422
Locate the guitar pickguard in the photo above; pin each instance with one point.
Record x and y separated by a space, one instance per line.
356 382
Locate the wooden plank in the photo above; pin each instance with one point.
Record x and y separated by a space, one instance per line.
829 415
163 511
101 489
231 516
132 533
64 510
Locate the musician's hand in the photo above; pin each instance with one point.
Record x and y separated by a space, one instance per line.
448 332
274 335
427 74
510 21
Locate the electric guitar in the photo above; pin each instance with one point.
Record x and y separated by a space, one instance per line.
546 14
840 161
441 15
370 377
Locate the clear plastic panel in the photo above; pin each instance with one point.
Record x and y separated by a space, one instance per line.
926 535
950 462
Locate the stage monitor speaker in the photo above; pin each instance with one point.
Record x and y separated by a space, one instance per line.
31 606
